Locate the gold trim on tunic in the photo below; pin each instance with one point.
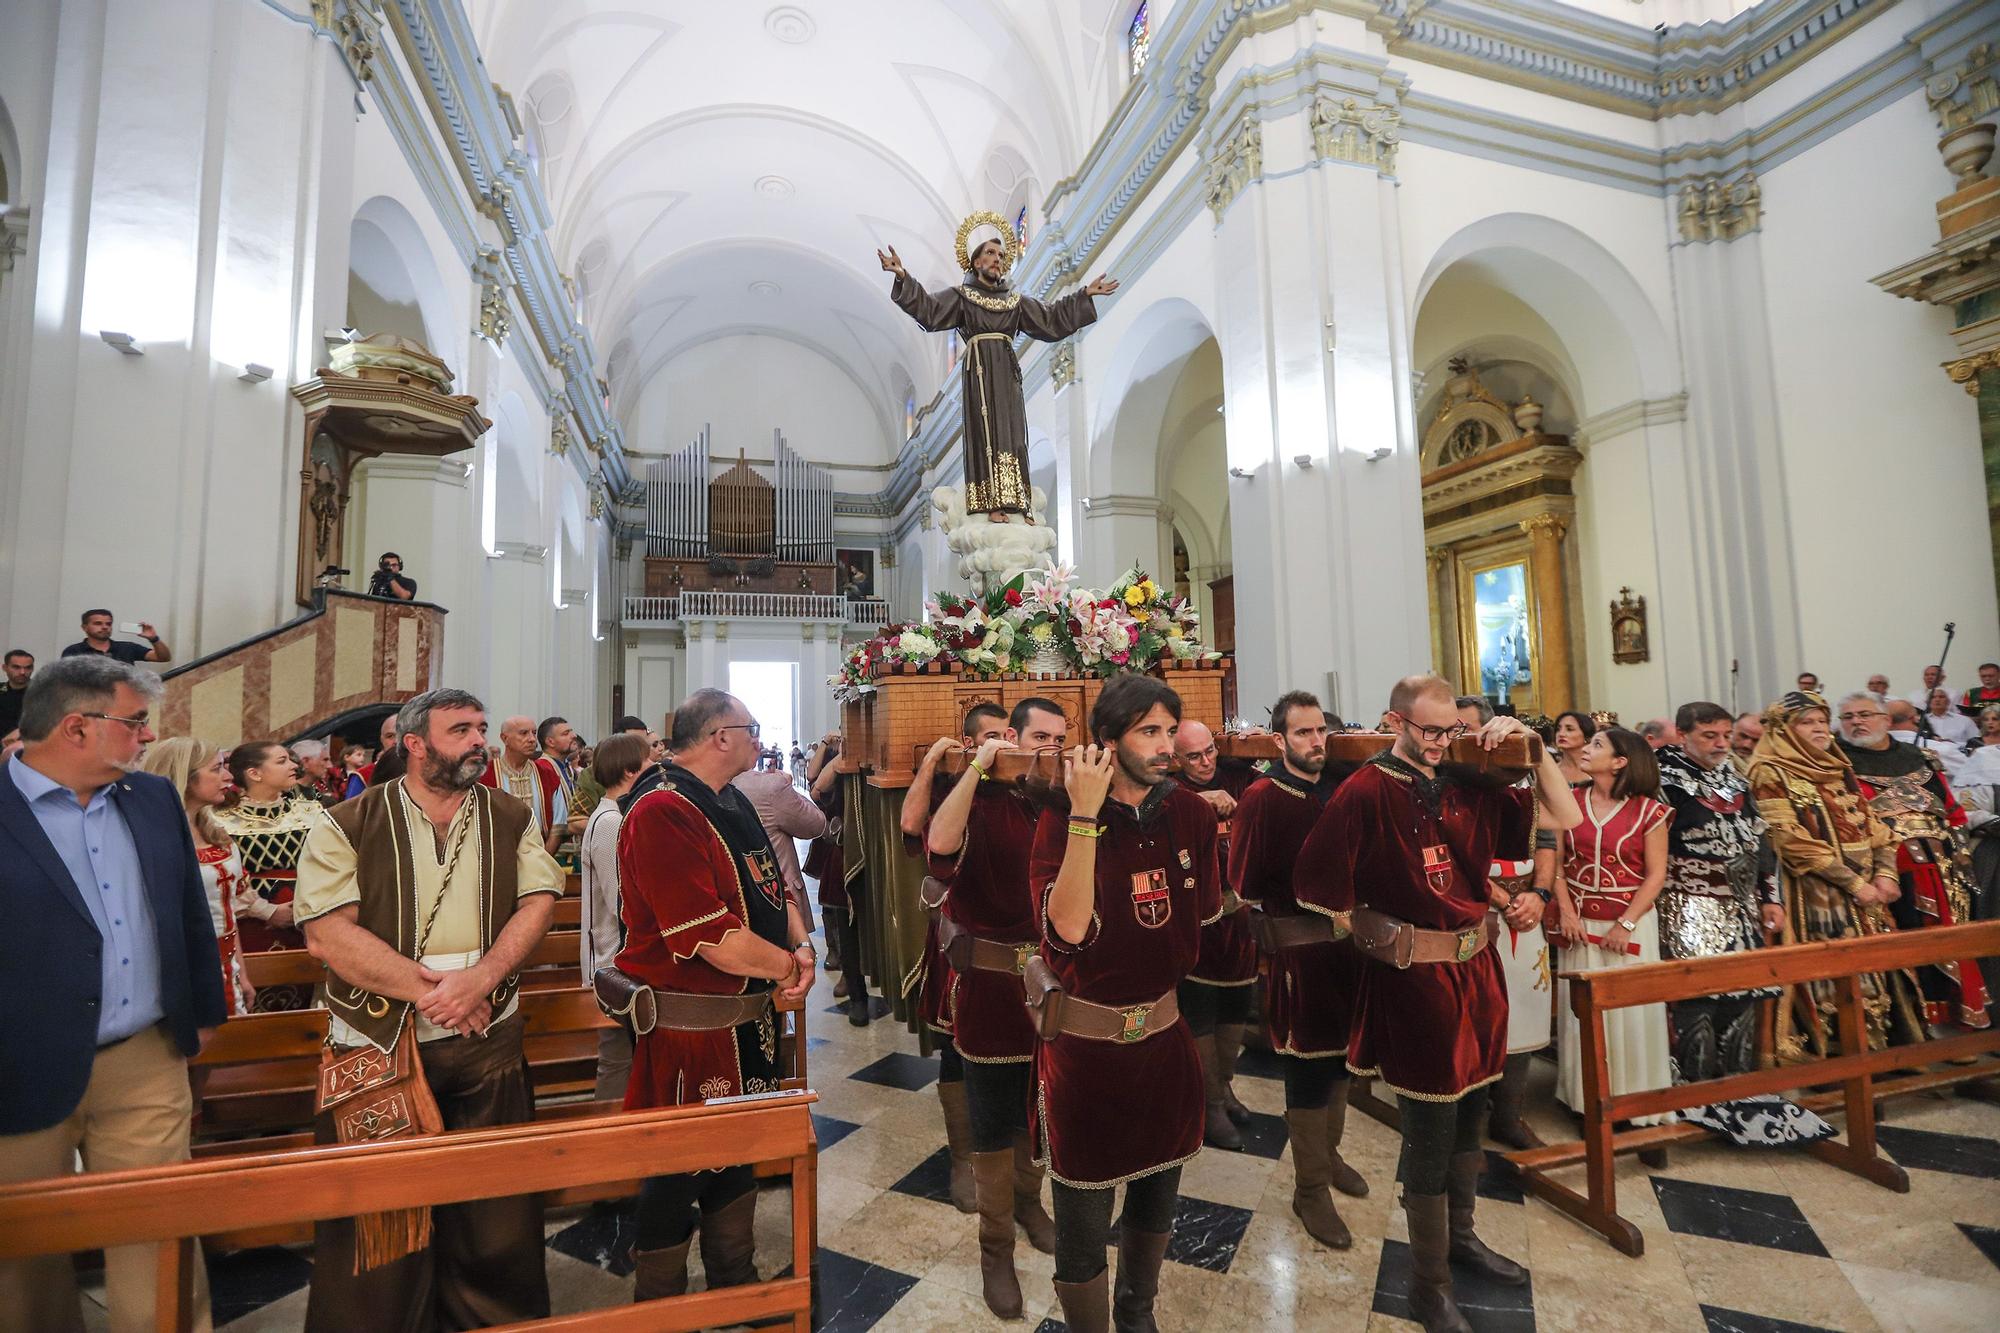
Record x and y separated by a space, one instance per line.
985 302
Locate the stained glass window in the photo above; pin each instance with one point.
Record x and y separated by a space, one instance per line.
1137 37
1021 227
909 415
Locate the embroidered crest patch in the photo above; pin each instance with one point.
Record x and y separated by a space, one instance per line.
1437 868
1150 901
763 868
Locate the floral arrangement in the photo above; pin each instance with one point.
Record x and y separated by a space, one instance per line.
1038 622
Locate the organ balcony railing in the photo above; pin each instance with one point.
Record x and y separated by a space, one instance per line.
644 612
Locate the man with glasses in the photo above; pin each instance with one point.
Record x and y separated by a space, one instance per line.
107 961
711 933
1215 997
1399 861
1907 790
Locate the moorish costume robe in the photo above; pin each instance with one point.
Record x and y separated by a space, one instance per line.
996 413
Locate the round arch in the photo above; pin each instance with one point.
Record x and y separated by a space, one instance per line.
1604 322
1138 384
393 281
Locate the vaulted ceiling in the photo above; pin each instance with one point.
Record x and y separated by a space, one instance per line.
731 167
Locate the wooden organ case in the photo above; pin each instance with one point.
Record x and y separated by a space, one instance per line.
740 531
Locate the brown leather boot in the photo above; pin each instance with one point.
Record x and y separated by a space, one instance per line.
729 1242
1340 1175
1503 1121
958 1137
1086 1306
1217 1128
1311 1174
1140 1254
993 1178
1431 1302
1028 1210
1467 1250
661 1272
1229 1045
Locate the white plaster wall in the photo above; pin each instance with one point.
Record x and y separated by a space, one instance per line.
746 385
1614 548
1886 498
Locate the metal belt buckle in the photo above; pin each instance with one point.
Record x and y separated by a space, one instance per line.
1135 1022
1469 940
1022 953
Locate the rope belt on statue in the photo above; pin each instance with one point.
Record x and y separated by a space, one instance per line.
1003 337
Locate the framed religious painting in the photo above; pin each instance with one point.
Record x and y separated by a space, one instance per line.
854 571
1500 626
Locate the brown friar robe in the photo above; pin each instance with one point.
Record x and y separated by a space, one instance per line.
996 414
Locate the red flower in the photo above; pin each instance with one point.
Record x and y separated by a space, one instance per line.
1075 626
1013 596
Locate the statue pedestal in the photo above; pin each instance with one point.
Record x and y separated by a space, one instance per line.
990 553
888 729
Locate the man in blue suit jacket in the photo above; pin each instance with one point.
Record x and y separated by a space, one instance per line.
108 968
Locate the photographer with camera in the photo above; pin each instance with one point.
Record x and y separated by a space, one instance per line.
389 580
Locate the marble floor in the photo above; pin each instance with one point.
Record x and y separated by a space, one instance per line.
1735 1240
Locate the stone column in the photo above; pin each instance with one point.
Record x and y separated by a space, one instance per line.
1327 534
1545 534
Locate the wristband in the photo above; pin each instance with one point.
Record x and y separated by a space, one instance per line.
978 768
1084 830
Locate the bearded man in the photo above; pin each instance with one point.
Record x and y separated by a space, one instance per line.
422 897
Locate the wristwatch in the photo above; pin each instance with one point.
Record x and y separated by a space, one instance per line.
1627 926
812 954
1546 895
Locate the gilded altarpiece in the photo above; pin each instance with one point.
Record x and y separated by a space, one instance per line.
1498 506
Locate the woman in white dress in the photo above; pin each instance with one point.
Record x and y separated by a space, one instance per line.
1614 864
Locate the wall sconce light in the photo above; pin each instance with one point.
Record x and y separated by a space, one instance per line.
1304 461
1239 473
122 341
1380 454
255 374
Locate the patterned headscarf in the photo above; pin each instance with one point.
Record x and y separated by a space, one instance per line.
1790 753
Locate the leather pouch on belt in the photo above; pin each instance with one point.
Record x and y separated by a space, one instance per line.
1384 938
1044 994
955 942
626 998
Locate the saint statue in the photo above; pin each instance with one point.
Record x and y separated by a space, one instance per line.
988 314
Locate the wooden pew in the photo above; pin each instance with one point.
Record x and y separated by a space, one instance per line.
170 1207
1915 1068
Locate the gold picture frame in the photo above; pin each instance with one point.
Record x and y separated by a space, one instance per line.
1500 624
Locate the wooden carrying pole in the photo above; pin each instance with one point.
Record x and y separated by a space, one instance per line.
167 1206
1843 962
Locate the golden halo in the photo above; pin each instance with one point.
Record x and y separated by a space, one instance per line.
1010 247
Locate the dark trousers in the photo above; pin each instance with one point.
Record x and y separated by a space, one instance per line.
1309 1083
667 1203
1083 1219
997 1097
1432 1133
1203 1005
485 1261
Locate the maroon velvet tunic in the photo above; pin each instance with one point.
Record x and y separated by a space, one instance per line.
1107 1112
1228 953
988 880
686 886
1309 1003
1433 1031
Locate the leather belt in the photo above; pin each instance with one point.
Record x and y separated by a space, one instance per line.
1276 933
645 1007
1103 1022
967 952
1399 944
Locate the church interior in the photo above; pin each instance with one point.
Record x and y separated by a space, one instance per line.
1571 350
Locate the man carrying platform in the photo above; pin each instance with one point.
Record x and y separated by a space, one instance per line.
709 937
1215 998
1309 998
422 896
1399 860
979 842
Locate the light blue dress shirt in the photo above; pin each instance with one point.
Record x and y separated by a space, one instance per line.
96 845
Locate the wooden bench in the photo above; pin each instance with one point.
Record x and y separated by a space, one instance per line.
1924 1065
269 1192
259 1073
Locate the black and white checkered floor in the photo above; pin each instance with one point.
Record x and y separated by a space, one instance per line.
1735 1240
